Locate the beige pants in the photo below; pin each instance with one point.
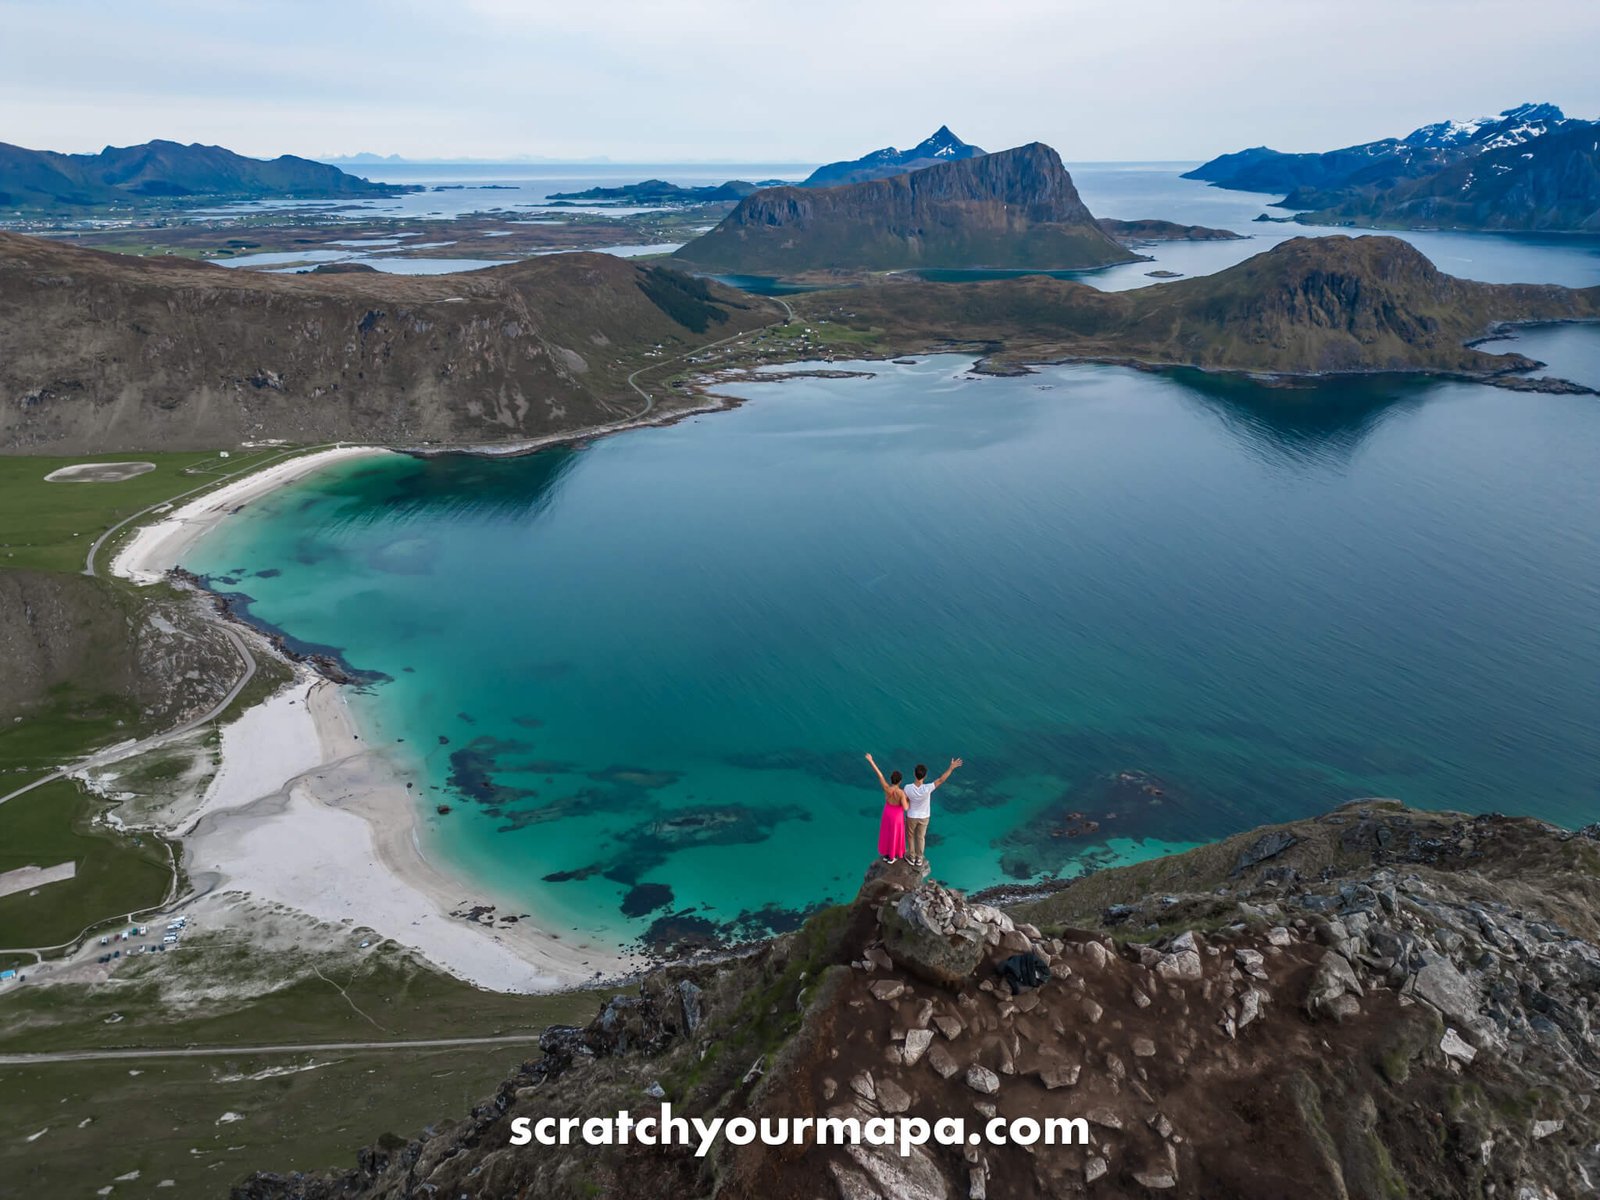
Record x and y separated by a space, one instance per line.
916 837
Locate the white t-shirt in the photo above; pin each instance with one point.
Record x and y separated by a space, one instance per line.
921 797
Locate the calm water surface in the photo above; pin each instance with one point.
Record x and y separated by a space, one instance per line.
1147 609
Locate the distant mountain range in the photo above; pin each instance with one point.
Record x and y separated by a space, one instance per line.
161 170
1530 167
659 191
942 147
1014 209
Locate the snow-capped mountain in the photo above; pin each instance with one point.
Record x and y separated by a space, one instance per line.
1512 127
942 146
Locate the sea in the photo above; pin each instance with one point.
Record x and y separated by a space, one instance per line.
634 680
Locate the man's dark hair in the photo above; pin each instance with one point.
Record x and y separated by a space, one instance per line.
894 777
922 772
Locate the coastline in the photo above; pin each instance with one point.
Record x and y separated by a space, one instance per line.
305 813
153 549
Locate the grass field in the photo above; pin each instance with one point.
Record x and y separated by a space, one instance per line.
116 874
205 1123
51 525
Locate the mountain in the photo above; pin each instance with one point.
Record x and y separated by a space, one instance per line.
112 352
1307 306
1551 184
659 191
43 179
1377 1002
942 146
1400 181
1017 208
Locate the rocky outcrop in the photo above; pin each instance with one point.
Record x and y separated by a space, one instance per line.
71 648
1392 1003
1017 208
108 351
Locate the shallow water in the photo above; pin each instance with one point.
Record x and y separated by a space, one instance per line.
1147 609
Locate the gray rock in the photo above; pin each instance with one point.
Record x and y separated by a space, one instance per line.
1454 1047
941 1061
888 989
1448 990
981 1079
917 1043
1268 845
689 997
1334 988
1094 1167
863 1086
1059 1075
892 1098
933 933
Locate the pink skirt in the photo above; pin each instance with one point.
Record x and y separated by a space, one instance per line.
892 832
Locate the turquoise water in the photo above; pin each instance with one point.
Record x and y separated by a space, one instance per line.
1148 610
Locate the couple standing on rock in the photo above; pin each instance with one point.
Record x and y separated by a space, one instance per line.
906 810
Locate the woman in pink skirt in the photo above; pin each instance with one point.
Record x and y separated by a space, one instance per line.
892 828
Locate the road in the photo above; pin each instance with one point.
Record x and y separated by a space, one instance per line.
649 400
63 1056
117 753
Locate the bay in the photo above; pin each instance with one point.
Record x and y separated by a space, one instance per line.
1147 609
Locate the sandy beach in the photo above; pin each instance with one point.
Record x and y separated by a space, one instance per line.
305 813
153 549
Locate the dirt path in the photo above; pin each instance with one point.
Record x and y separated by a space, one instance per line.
61 1056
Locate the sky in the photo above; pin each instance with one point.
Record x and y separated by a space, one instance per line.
798 81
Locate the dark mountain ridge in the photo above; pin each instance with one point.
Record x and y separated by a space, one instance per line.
1015 208
940 146
1531 168
44 179
107 351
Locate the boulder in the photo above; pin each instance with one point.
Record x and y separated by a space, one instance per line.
1334 988
931 933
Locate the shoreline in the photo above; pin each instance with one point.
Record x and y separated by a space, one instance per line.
306 813
146 555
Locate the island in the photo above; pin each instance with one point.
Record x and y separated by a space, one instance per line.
168 171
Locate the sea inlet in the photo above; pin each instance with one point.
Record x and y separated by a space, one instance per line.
1147 609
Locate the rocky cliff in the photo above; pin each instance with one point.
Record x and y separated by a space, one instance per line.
104 351
1378 1002
1017 208
1307 306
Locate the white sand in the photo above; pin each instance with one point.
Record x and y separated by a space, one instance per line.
305 813
153 549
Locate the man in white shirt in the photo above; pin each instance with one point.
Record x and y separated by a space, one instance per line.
920 795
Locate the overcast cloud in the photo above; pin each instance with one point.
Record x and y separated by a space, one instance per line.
756 80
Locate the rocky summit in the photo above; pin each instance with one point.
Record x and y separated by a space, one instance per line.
1376 1002
1014 209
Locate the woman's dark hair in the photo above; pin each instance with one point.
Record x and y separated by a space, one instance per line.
894 777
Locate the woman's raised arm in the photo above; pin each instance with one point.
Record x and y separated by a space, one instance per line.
882 782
